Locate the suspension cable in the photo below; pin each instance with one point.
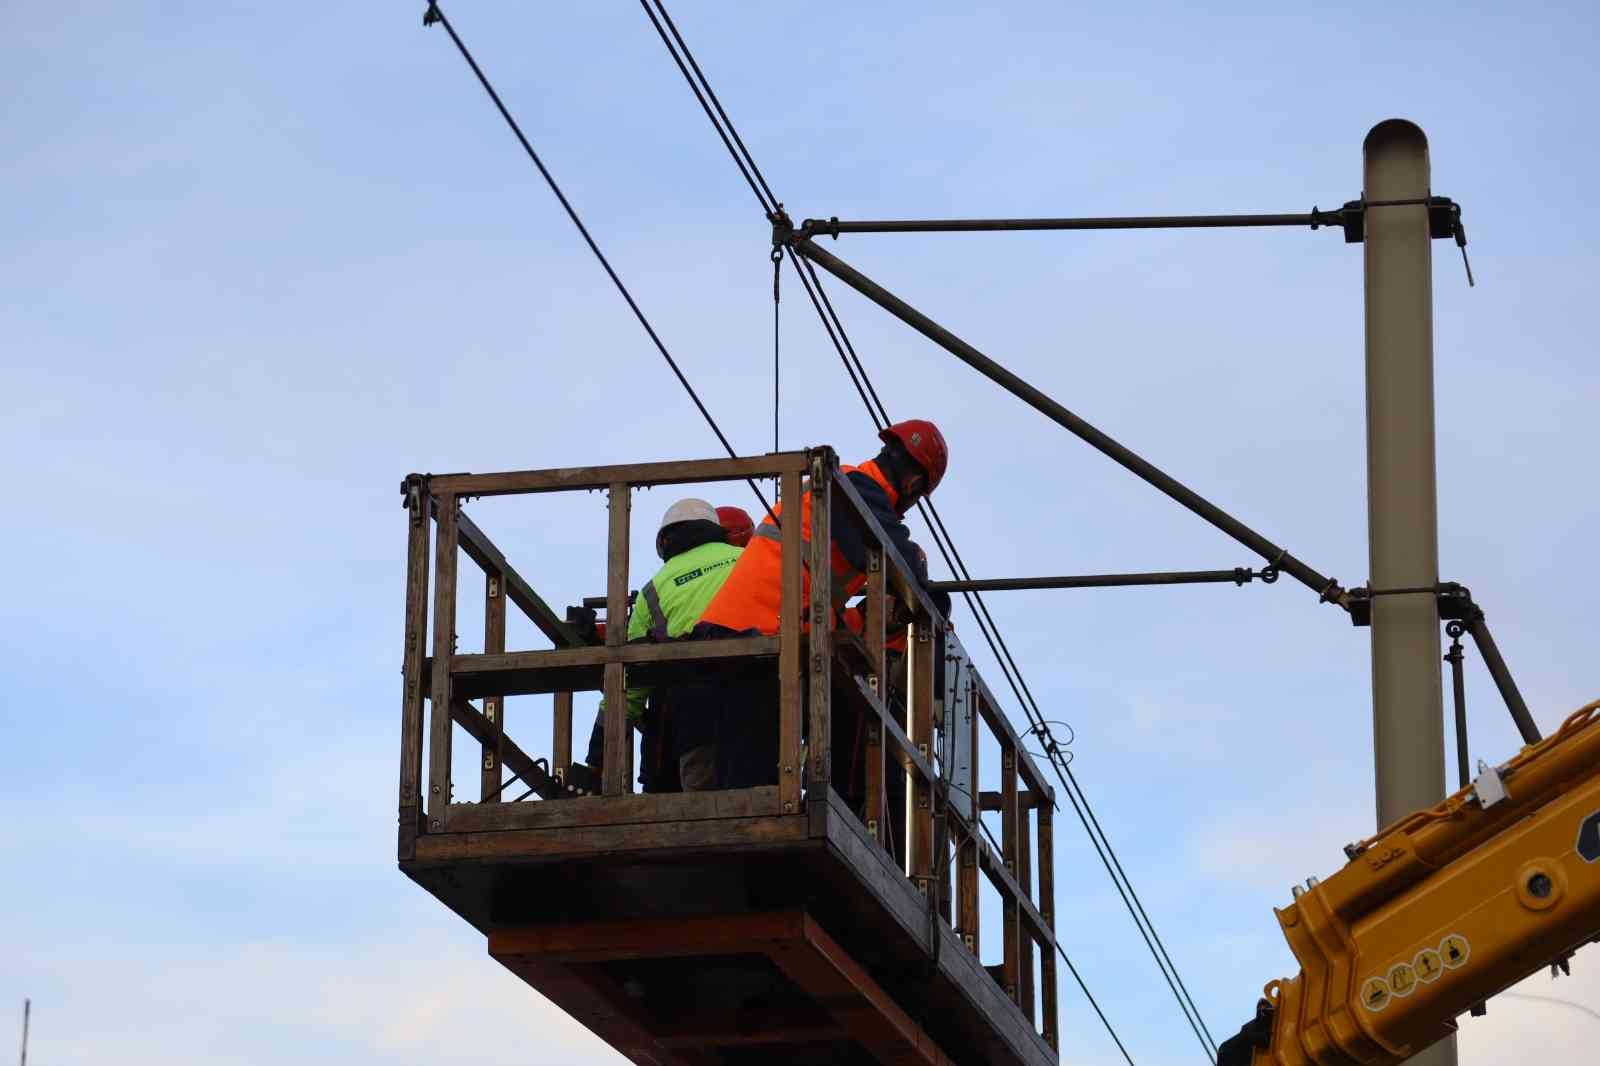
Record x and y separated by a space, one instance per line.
766 204
771 201
1035 715
879 414
1019 686
435 15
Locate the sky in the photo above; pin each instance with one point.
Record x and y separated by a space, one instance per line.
260 262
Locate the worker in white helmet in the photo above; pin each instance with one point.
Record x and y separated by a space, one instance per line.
678 749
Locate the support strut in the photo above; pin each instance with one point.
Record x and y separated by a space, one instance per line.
1239 575
1327 588
1458 687
1502 678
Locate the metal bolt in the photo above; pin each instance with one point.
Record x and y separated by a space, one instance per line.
435 790
1540 886
788 806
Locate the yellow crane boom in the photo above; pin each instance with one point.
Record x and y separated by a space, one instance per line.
1440 911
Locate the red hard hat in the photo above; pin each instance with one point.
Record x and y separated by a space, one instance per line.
924 443
738 524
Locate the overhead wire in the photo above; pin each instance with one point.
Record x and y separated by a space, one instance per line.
1025 698
771 202
863 385
1040 727
435 15
745 161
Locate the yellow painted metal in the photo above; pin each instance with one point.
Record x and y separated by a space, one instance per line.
1443 909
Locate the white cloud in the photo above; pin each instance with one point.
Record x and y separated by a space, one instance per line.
426 996
1519 1029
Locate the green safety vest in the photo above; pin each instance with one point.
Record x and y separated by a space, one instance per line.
673 601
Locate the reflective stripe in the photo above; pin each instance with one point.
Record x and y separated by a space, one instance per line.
658 620
768 531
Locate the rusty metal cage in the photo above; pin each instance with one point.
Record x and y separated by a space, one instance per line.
571 892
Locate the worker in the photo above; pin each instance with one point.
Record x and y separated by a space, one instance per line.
910 465
736 520
678 732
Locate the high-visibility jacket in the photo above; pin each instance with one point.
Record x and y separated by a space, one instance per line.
672 602
751 595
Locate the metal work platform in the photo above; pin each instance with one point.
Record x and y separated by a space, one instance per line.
834 915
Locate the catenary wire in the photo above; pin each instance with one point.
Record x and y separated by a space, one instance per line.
434 14
747 166
1093 1003
771 201
1025 697
766 203
1019 687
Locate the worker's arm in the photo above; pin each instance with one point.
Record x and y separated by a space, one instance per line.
853 546
638 629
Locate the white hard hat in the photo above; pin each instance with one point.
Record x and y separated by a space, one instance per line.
689 510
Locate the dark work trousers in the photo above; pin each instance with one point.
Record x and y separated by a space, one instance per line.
677 718
747 715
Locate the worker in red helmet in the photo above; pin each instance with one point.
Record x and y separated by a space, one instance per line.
737 523
910 465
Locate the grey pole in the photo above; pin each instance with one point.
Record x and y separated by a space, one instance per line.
1402 499
27 1009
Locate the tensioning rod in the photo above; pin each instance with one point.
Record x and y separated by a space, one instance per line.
1238 576
833 227
1279 558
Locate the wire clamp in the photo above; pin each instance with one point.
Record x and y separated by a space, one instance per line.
432 15
782 231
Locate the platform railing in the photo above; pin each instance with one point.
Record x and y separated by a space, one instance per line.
930 739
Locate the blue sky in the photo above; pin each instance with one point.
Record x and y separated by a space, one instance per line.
261 261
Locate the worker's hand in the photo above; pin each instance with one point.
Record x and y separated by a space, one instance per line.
900 615
941 600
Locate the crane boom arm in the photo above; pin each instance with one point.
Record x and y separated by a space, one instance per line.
1440 911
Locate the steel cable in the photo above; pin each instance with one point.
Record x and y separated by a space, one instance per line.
435 15
1025 698
876 409
771 201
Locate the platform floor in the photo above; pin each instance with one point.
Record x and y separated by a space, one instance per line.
729 934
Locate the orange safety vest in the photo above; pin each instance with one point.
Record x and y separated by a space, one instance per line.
751 595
